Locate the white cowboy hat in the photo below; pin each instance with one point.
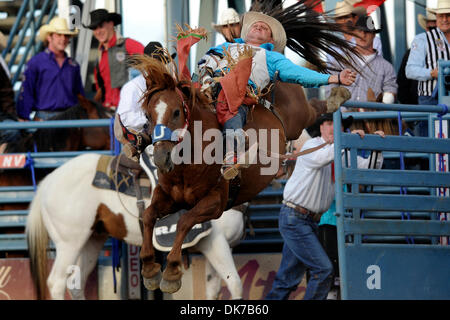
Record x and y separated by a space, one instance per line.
423 19
56 25
229 16
3 41
443 6
343 9
278 33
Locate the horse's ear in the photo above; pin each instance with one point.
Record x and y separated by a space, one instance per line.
186 90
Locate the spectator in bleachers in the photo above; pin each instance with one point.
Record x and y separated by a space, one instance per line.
407 88
308 193
7 105
229 25
3 43
375 72
111 71
52 80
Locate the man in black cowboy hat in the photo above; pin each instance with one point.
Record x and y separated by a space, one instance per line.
111 71
374 71
308 193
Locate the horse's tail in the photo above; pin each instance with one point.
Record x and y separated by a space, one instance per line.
37 239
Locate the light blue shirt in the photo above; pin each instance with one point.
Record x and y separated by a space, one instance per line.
415 67
275 61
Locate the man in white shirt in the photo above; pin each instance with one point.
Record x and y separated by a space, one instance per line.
308 193
130 125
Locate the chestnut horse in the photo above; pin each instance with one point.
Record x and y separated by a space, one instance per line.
174 106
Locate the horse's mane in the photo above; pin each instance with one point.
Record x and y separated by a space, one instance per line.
158 78
309 33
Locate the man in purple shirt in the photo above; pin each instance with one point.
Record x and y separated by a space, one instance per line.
52 79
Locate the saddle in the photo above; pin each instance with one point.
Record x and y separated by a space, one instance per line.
165 228
121 174
116 174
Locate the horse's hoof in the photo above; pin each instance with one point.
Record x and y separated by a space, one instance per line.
170 286
152 283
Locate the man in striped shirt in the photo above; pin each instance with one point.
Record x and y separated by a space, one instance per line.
426 49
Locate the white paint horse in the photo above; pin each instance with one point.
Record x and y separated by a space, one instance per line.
79 217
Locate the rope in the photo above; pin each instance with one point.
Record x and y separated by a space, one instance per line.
112 145
403 191
442 190
30 163
116 185
294 154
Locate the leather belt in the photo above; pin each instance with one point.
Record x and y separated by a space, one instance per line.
314 215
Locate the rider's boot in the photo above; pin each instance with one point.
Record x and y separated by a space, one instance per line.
238 158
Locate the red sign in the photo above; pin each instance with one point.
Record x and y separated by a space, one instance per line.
370 5
12 161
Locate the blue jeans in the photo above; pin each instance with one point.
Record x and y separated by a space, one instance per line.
231 141
47 115
301 250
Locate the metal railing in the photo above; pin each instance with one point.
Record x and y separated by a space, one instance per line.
389 244
49 160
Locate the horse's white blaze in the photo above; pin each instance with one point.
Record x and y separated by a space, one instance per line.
160 109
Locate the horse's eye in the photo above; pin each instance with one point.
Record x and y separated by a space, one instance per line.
176 114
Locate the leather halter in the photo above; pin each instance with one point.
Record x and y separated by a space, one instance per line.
163 133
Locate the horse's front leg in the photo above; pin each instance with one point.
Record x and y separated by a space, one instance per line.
161 205
210 207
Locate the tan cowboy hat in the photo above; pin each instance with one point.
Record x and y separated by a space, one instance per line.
278 33
443 6
343 9
3 41
229 16
424 19
56 25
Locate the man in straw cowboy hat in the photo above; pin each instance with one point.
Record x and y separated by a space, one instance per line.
407 88
427 22
426 49
52 80
111 71
266 38
229 25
